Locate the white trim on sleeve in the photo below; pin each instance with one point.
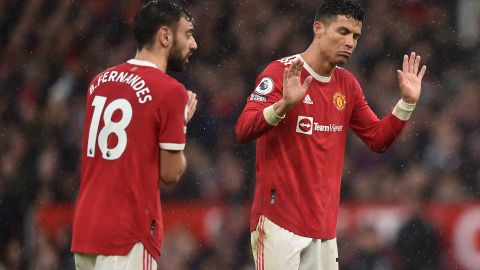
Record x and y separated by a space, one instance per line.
172 146
403 110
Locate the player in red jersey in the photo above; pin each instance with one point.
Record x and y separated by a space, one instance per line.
301 130
134 136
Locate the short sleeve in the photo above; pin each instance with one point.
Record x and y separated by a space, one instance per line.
172 117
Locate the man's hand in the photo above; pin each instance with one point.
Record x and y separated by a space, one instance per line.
293 90
410 80
191 105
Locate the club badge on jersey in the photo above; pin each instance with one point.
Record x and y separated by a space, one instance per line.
339 101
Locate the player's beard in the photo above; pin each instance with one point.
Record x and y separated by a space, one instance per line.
176 62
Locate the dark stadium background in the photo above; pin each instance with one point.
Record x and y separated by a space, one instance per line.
415 207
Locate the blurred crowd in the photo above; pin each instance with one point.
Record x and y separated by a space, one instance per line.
50 50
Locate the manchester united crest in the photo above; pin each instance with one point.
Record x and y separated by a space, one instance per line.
339 101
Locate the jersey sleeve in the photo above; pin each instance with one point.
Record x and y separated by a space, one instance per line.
377 134
269 88
172 119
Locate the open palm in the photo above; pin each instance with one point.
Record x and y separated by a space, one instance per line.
293 90
410 79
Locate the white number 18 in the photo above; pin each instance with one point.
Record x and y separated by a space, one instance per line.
117 128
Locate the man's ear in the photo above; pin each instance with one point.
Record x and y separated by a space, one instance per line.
318 28
164 36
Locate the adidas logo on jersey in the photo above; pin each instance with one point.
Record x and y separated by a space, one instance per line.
307 100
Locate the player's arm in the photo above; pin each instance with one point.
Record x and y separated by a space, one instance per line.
172 166
259 116
377 134
380 134
252 122
174 115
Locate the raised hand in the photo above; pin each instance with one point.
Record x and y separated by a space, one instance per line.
410 79
191 105
293 90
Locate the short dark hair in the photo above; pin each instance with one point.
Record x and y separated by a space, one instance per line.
332 8
154 15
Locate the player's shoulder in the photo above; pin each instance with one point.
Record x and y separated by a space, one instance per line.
276 68
154 77
346 77
287 60
167 82
169 89
344 73
108 69
280 64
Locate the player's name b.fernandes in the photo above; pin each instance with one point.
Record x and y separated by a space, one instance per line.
135 81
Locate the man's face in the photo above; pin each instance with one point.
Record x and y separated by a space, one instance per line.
183 46
338 38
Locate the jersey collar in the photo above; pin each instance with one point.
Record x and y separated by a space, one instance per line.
315 75
141 63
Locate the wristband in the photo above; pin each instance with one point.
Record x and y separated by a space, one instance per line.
271 117
403 110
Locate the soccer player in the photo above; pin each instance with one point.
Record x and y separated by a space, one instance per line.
299 114
134 136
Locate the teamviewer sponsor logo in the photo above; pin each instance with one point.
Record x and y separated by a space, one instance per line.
305 125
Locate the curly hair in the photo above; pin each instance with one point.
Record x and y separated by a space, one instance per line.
332 8
154 15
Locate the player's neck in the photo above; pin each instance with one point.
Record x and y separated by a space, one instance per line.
317 63
159 61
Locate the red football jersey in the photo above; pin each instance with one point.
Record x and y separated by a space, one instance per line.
299 161
133 110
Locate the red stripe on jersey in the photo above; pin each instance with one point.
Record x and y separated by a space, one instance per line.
149 261
262 237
